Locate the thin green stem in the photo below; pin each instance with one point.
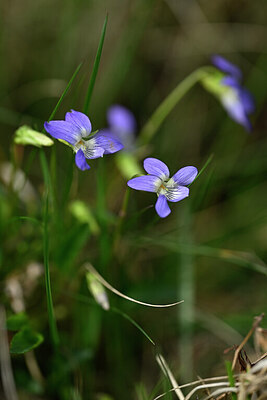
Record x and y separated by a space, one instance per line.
163 110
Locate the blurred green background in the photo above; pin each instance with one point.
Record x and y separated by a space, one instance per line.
150 46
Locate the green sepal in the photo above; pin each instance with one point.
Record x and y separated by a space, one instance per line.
211 81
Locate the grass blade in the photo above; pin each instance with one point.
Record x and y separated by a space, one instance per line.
50 308
64 93
93 271
231 378
86 300
126 316
241 258
203 168
95 68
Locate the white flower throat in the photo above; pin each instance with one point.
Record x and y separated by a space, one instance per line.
168 187
87 146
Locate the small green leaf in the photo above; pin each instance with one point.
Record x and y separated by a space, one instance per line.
25 135
17 321
25 340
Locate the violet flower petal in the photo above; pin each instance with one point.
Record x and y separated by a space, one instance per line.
185 176
227 67
156 167
120 119
92 150
80 161
147 183
236 110
231 81
63 130
80 121
175 194
108 142
247 101
162 206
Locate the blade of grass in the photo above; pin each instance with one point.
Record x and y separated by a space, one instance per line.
203 168
126 316
186 289
95 69
230 377
86 300
64 93
166 370
241 258
93 271
50 308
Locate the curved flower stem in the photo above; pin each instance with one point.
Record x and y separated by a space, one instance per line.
163 110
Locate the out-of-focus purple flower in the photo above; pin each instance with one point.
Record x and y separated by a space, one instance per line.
158 181
237 100
75 130
121 126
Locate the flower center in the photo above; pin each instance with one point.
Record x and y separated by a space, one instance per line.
162 188
167 188
79 144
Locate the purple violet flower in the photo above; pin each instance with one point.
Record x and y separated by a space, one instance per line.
122 125
75 130
158 181
237 100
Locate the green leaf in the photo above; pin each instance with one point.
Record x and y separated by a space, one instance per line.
17 321
25 340
25 135
95 68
